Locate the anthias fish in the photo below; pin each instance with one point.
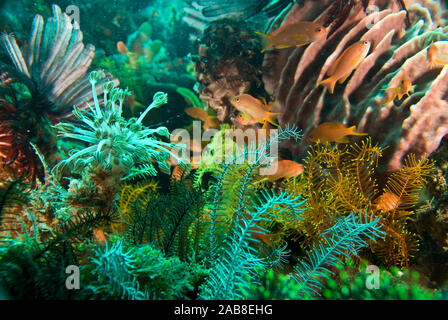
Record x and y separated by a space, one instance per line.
349 60
434 56
201 114
333 132
285 169
254 108
405 88
294 35
244 120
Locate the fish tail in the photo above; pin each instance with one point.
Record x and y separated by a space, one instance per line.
356 133
269 118
268 40
329 83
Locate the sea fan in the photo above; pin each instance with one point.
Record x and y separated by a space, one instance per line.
44 81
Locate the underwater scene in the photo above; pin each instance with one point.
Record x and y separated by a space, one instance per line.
223 150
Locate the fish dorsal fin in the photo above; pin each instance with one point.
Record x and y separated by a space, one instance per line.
333 125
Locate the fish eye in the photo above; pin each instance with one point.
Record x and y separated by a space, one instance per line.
366 42
237 99
319 29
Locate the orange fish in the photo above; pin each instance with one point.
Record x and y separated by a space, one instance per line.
434 58
121 47
254 109
243 120
294 35
195 146
333 132
387 201
349 60
285 169
98 235
106 31
134 106
201 114
405 88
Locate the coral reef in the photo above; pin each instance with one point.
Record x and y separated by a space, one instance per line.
139 203
415 124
